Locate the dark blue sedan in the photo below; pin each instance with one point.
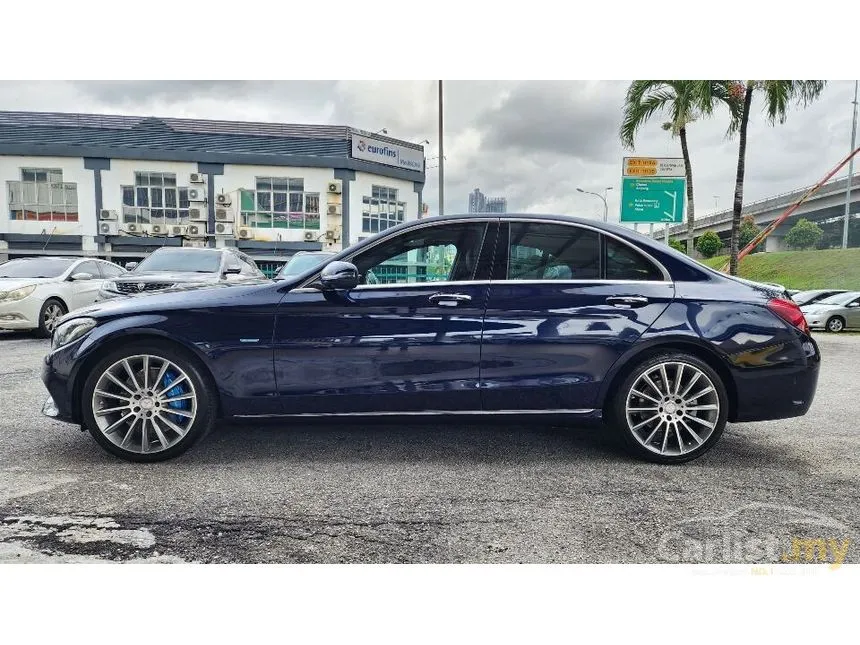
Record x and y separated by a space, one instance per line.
514 315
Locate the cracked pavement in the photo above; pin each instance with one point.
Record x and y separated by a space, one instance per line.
388 492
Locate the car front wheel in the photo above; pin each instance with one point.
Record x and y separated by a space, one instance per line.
835 324
671 408
148 403
51 312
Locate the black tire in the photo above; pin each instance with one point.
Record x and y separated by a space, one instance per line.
616 411
207 399
835 324
50 305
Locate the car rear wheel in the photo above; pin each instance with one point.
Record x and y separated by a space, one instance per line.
49 315
835 324
148 403
672 408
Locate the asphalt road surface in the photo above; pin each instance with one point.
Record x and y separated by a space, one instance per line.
768 492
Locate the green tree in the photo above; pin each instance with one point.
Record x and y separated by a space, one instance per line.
675 244
778 96
803 235
709 244
748 231
683 102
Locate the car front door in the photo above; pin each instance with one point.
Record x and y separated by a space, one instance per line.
83 293
852 314
565 303
408 342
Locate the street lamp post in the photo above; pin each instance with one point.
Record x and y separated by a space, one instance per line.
602 198
441 156
850 174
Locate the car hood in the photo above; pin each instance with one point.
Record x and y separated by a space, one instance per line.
167 276
9 284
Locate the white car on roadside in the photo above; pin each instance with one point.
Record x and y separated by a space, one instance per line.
36 292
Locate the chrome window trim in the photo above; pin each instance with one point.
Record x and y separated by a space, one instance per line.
489 283
416 413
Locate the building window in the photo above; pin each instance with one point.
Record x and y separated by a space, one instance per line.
154 199
280 202
42 195
381 210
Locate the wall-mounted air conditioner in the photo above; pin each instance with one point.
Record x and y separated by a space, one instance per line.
177 230
159 229
196 194
335 186
245 233
108 228
223 215
196 230
198 214
329 235
310 236
106 214
138 229
223 199
198 178
223 228
334 209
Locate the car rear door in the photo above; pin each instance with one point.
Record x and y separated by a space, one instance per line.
565 303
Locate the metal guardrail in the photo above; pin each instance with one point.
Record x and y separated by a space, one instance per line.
764 205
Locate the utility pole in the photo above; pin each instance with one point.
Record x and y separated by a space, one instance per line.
850 173
441 156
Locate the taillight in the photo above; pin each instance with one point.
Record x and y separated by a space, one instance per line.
789 312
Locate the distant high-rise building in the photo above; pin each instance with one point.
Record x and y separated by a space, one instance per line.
480 203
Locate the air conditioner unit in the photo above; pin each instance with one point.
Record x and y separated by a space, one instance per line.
177 230
198 178
195 230
223 199
309 236
334 209
159 229
224 228
335 186
198 214
106 214
329 235
137 229
108 228
223 215
196 195
245 233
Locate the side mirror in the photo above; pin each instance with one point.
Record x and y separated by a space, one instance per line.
130 265
340 276
232 271
82 276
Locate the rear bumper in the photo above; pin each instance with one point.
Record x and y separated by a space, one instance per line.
778 391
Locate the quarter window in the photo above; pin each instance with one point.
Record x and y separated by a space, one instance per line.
42 195
280 202
430 254
110 270
155 198
624 263
540 251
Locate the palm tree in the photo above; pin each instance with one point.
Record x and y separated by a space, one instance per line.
778 95
683 102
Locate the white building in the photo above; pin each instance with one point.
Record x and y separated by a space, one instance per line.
118 186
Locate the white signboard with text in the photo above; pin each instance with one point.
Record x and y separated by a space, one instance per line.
370 149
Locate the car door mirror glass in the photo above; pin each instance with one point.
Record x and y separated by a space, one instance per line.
339 276
232 271
129 266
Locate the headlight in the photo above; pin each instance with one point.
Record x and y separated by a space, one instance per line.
17 294
70 331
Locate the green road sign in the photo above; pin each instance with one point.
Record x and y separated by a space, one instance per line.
652 199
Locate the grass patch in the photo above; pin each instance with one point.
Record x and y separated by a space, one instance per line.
829 269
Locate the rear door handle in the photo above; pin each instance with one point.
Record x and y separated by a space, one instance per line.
449 299
627 302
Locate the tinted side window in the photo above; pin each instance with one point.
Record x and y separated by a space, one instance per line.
624 263
88 267
110 270
442 253
231 261
552 252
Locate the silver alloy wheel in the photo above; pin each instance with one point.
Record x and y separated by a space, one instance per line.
835 325
53 312
144 403
672 408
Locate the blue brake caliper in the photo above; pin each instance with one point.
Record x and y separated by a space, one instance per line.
179 390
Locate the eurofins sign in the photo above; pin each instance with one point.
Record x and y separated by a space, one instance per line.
369 149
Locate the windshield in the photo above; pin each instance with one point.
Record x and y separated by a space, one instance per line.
181 260
301 263
35 268
839 299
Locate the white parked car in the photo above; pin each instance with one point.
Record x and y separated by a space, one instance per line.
36 292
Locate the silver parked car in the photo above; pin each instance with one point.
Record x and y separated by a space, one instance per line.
835 313
811 296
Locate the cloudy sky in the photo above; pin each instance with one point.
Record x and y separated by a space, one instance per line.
533 142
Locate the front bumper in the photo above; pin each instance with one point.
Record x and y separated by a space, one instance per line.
56 377
20 314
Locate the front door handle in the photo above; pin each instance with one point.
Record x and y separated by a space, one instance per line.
449 299
627 302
